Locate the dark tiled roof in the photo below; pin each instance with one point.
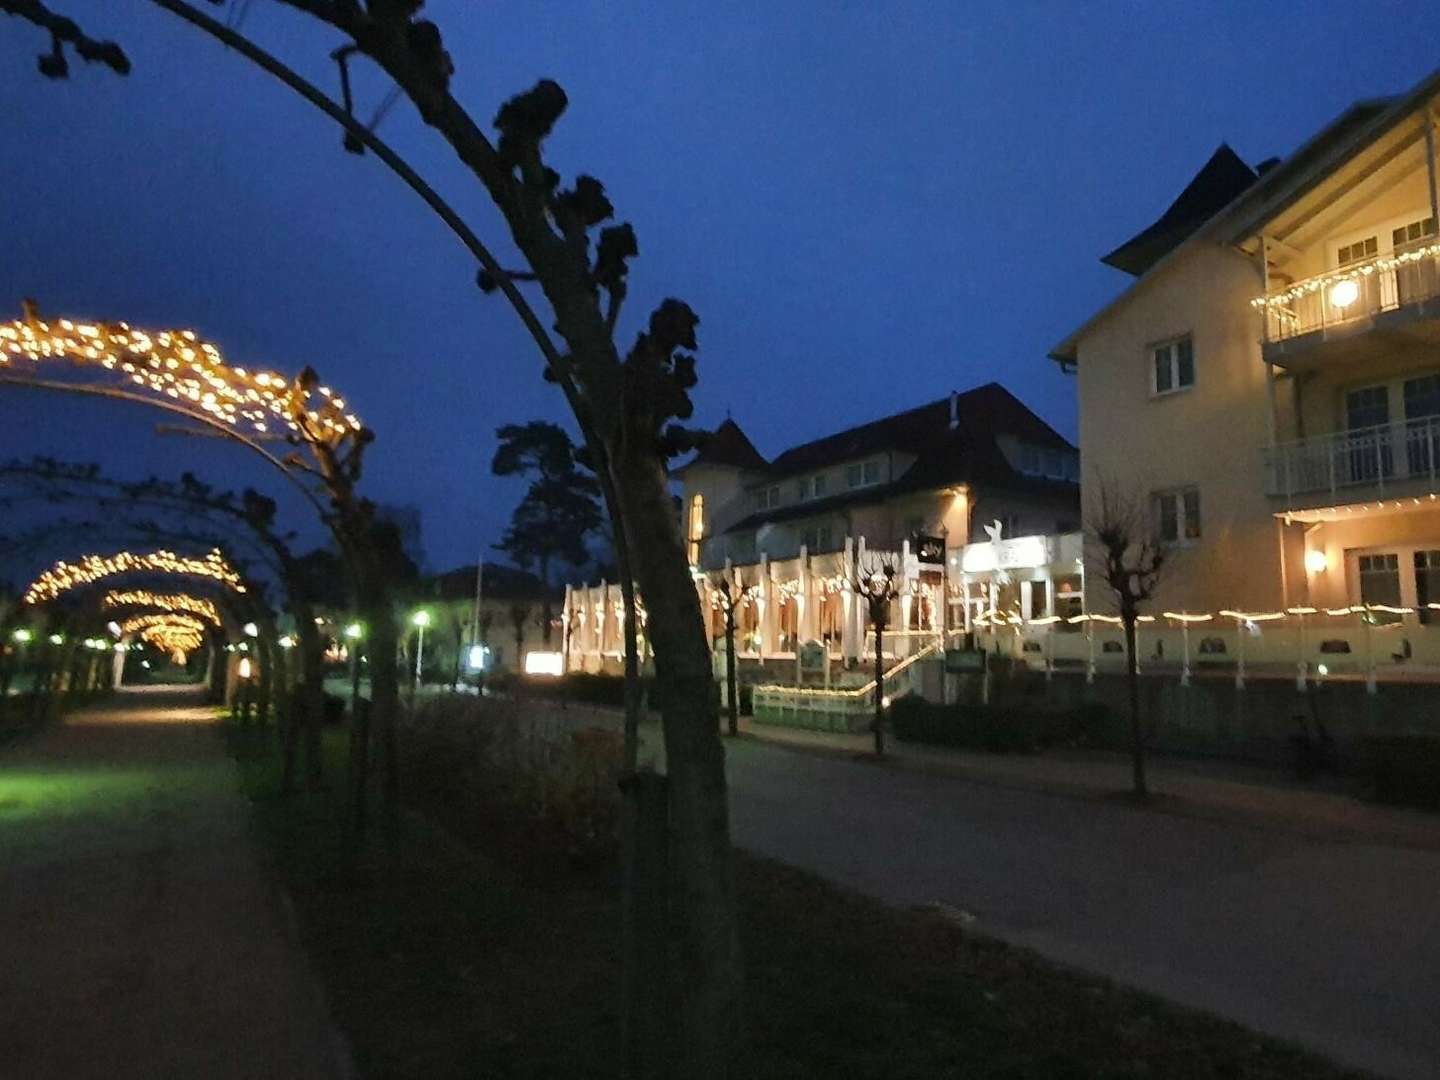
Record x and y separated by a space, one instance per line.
1215 186
501 582
728 445
965 454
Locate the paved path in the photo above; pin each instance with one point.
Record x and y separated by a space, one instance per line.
141 936
1332 942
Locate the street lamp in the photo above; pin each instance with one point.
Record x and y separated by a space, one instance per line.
421 619
353 633
22 636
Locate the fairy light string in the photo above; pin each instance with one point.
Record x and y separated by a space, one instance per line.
64 576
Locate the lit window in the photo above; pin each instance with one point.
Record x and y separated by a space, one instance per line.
1173 366
697 527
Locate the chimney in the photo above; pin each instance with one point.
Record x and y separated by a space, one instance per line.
954 410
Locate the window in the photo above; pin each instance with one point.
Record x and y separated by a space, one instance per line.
853 476
1177 515
817 538
803 488
1174 366
767 498
819 486
1427 584
1029 459
862 474
872 472
1380 583
1416 230
697 527
1360 249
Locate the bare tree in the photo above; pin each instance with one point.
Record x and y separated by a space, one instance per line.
1126 551
623 402
877 586
732 596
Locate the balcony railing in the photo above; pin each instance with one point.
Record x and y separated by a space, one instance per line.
1402 453
1356 292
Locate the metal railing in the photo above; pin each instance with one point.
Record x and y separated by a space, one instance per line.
1357 291
1374 457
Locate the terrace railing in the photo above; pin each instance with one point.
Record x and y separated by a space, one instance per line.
1349 464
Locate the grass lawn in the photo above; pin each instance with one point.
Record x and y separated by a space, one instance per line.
440 962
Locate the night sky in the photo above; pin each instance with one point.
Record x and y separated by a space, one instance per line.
868 204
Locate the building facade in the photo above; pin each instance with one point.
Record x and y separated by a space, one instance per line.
1269 386
973 500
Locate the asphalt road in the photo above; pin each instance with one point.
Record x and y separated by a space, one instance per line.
141 937
1332 944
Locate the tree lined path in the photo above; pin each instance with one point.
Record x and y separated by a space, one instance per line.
142 937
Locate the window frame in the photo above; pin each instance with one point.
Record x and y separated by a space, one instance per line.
1178 499
1171 346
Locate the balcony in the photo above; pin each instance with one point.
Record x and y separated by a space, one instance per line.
1331 313
1392 460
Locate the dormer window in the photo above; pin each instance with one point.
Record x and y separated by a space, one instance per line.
767 498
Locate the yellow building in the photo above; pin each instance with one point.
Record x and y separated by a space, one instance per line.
1269 385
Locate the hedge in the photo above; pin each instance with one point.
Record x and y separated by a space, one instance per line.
1403 769
1003 729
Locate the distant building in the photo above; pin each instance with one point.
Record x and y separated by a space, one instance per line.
920 490
512 623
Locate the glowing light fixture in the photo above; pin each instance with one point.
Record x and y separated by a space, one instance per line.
244 670
57 639
354 631
22 636
1316 561
544 663
421 618
1344 293
251 630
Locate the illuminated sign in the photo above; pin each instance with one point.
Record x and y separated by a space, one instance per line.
544 663
1021 553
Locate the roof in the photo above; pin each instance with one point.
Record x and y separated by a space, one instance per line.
1335 144
968 453
1211 189
500 582
727 446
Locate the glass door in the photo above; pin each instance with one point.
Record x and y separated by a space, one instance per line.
1422 425
1367 419
1380 583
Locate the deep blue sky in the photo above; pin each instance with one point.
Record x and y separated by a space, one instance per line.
868 204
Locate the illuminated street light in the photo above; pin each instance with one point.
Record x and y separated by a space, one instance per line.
421 619
251 630
57 639
354 631
287 642
22 636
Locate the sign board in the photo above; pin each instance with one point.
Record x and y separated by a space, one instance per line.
930 550
964 661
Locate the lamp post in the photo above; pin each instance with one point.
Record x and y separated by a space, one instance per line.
353 633
421 619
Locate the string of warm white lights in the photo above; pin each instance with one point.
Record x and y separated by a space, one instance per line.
143 622
1013 618
175 637
171 602
64 576
1351 273
177 364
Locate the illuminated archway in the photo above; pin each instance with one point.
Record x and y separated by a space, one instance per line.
171 603
64 576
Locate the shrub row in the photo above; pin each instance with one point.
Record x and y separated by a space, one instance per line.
1001 729
1403 769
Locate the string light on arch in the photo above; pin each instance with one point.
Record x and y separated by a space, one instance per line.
180 366
64 576
169 602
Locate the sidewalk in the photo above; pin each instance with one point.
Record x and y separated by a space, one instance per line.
1232 792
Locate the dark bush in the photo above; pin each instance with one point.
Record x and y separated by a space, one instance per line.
1403 769
333 709
1001 729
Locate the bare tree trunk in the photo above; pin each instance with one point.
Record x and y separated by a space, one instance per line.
1137 740
879 691
732 690
311 696
709 1021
